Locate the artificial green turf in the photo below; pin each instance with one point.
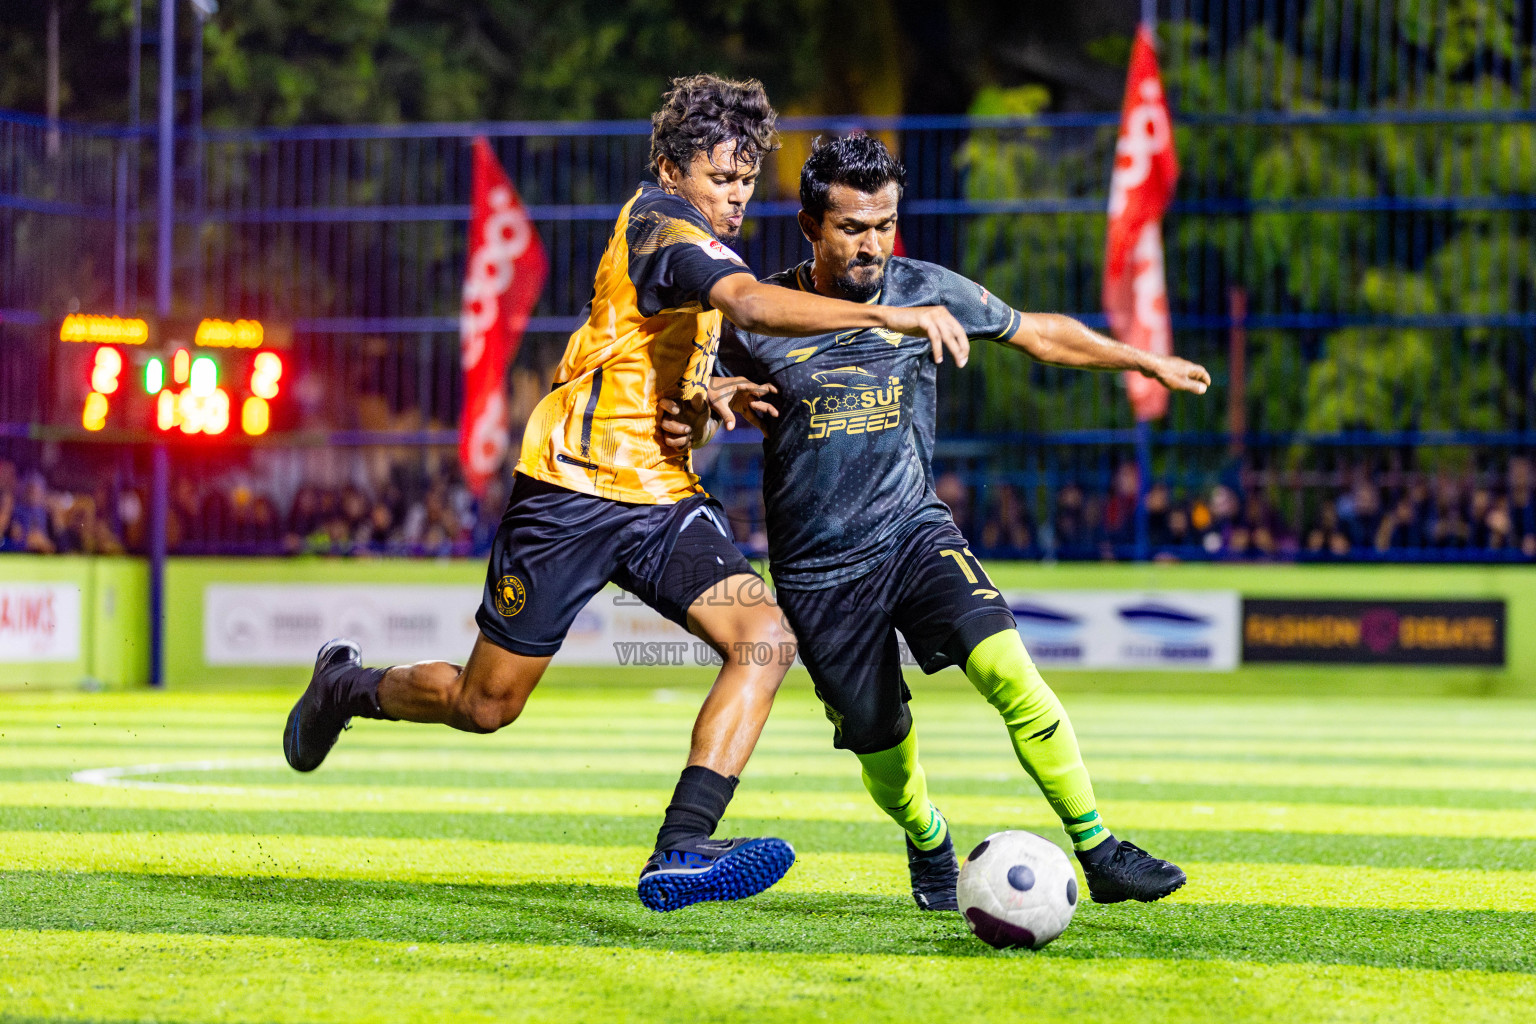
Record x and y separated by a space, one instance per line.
843 923
130 942
113 976
1472 853
939 784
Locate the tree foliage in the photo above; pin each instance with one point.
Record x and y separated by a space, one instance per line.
1342 222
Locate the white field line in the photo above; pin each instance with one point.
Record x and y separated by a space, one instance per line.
120 776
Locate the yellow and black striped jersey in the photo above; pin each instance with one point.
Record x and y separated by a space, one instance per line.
648 334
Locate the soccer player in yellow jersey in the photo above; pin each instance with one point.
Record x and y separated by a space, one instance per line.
598 498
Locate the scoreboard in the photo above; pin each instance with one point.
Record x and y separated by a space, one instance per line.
208 377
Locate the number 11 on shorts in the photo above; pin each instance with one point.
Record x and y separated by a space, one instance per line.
965 567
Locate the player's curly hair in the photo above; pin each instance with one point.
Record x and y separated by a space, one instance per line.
859 161
701 111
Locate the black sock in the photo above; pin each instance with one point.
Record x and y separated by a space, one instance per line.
1102 852
697 805
357 692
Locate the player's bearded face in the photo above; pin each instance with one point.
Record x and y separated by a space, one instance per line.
718 185
862 277
857 235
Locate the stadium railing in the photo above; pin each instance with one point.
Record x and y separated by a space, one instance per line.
1348 253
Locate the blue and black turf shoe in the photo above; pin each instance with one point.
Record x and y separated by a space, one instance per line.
318 719
935 873
1118 871
713 869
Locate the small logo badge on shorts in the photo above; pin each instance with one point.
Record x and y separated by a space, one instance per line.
510 596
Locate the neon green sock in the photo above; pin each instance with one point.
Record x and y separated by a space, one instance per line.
1042 734
898 784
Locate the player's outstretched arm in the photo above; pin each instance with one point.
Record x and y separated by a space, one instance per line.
1062 341
788 313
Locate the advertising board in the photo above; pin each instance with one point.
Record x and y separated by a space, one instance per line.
1109 629
39 622
277 624
285 623
1436 632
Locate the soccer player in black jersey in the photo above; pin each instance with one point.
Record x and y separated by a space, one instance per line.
860 545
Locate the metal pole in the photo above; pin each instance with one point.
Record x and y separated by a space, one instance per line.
120 231
1237 371
160 496
1143 485
159 514
120 236
165 163
135 58
195 119
51 79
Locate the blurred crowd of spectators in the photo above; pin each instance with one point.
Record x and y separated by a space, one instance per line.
431 514
1437 516
437 518
40 520
431 517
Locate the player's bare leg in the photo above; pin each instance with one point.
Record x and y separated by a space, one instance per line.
737 617
481 696
741 621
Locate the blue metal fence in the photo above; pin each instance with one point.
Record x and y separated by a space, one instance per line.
1350 252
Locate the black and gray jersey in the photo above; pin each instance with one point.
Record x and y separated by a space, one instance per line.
848 462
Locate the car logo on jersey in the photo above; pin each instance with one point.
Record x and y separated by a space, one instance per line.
848 337
846 377
853 401
510 596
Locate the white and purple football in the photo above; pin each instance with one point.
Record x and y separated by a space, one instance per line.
1017 890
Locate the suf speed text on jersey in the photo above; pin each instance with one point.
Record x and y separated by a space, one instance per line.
847 470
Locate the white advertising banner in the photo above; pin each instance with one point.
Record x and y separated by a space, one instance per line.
285 624
1176 630
616 628
39 622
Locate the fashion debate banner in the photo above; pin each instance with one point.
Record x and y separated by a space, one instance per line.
1441 632
273 624
39 622
1175 630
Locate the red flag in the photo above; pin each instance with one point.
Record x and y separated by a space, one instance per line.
1135 290
505 272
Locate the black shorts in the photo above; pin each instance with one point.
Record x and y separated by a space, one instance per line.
556 548
932 590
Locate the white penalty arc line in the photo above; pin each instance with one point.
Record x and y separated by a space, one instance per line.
121 776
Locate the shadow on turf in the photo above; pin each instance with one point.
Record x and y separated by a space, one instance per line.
592 915
1182 846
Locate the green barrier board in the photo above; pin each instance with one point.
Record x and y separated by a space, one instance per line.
114 614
